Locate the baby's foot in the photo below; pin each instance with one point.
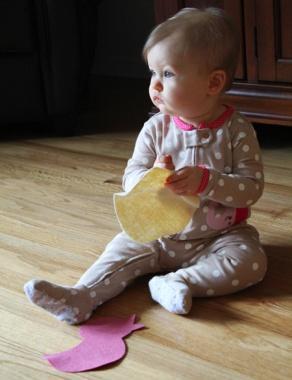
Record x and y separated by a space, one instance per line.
73 305
173 295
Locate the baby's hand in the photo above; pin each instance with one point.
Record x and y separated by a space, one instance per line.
164 162
185 181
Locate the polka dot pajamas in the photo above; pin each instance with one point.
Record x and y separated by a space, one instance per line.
220 265
224 264
217 253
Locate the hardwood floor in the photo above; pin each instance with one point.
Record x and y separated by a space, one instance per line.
56 216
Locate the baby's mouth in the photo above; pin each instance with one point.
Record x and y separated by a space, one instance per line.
157 100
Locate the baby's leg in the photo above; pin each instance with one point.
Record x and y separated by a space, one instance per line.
122 261
232 262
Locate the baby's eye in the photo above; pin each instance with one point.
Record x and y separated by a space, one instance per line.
152 73
168 74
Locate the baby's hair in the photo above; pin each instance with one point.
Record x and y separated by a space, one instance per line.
209 35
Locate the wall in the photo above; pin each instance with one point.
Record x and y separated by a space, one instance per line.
123 26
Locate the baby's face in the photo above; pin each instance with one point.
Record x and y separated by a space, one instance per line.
176 87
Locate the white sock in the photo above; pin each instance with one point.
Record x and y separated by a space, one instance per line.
173 295
72 305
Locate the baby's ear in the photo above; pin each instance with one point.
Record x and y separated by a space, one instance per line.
217 81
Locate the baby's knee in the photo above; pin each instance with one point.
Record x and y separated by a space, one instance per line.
251 267
240 268
259 264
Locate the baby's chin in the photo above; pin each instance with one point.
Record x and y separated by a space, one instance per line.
164 109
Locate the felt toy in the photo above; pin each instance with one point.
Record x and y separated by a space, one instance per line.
102 344
151 210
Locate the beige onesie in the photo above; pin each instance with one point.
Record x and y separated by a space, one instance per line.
217 253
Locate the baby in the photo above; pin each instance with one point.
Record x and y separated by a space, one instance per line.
214 153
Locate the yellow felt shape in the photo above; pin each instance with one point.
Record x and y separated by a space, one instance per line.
150 210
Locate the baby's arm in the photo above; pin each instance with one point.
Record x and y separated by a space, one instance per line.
244 185
142 160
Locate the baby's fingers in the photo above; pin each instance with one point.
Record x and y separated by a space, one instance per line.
176 177
164 162
177 187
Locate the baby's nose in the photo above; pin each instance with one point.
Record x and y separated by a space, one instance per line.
157 85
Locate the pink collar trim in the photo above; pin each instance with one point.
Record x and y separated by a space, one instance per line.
213 124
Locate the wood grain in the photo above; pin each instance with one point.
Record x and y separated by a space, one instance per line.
56 216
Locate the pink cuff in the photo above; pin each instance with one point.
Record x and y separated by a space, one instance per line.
241 214
204 180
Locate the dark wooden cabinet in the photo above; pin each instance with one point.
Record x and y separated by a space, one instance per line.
46 52
262 87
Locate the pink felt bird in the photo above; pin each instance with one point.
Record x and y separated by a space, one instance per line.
102 344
